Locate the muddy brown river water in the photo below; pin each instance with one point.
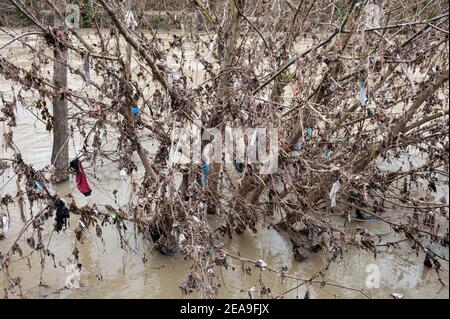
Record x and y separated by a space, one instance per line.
111 272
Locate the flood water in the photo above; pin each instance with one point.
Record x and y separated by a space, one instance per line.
111 272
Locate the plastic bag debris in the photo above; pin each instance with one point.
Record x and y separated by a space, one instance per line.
87 69
333 192
123 173
211 46
362 93
237 84
181 238
134 109
170 76
205 173
101 135
297 147
373 13
5 223
37 185
308 132
360 214
244 115
238 166
261 263
73 279
62 214
113 216
130 21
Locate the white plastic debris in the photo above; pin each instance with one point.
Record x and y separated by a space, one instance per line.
195 218
81 224
101 134
362 93
297 226
170 76
5 224
130 21
236 84
397 295
123 173
211 46
373 14
261 263
333 192
73 279
244 115
181 238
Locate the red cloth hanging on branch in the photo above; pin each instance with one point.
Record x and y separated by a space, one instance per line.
81 180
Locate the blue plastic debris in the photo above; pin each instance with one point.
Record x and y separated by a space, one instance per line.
134 109
289 56
362 93
38 186
205 173
308 132
327 153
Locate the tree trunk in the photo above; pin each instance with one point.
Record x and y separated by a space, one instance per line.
60 151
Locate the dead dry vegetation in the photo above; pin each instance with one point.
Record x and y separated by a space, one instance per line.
371 85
